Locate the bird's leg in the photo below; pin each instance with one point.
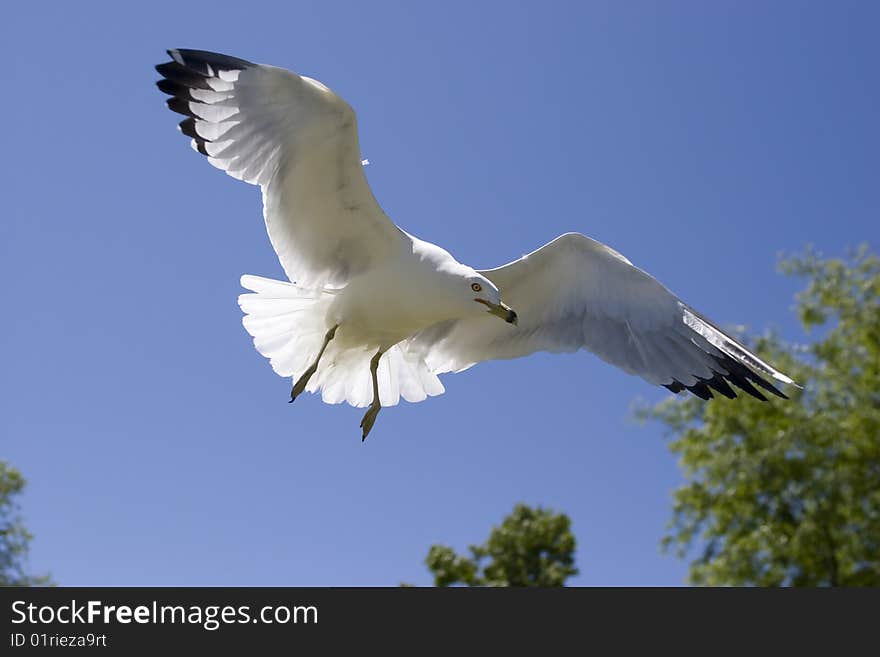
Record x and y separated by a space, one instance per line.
303 381
375 407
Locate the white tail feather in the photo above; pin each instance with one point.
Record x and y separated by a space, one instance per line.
288 324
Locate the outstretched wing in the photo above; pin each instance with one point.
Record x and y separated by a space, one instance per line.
298 141
576 293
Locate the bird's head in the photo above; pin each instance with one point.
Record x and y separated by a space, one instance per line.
484 293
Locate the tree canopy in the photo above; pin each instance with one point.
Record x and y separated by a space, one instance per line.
531 547
14 537
788 492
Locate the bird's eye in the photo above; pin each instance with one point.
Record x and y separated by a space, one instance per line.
476 287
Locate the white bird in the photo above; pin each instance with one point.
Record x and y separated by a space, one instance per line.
372 313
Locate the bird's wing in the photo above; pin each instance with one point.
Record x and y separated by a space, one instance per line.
577 293
298 141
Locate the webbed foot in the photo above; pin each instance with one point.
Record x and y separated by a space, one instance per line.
301 384
370 419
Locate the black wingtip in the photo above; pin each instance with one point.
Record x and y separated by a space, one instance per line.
769 387
206 62
181 106
189 70
743 378
778 393
743 383
729 371
718 384
172 88
183 75
701 390
188 127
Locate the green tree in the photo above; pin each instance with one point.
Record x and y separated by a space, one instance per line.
788 493
531 547
14 537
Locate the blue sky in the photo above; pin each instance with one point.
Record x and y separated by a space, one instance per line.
700 139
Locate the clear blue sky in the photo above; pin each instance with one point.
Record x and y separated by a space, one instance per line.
700 139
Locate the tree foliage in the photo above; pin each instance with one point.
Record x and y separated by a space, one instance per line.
14 537
788 493
531 547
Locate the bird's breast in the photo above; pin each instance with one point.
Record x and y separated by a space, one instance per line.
386 306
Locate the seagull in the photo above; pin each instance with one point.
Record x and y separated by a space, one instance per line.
371 313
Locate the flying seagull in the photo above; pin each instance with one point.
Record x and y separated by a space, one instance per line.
372 313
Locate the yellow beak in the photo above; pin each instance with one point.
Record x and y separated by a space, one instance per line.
501 310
